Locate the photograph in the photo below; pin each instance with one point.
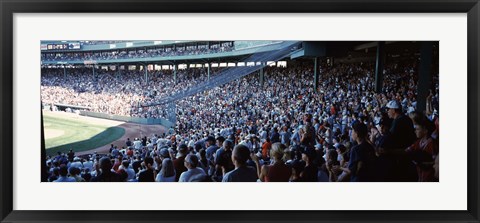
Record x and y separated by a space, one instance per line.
213 111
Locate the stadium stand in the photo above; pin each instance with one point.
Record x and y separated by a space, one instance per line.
278 129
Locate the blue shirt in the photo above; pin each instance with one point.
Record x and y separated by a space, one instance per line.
193 175
241 174
364 153
65 179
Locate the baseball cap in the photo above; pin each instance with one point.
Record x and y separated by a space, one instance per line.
393 104
164 152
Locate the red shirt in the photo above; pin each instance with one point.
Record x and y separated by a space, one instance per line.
424 174
278 172
265 148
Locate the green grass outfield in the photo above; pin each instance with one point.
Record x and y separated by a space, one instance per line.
77 134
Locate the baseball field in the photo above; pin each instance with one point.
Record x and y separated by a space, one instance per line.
64 131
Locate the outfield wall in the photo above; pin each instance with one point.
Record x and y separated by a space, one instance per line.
143 121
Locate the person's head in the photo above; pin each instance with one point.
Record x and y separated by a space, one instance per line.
191 161
277 151
63 170
340 148
197 147
424 128
183 149
240 155
307 118
308 155
163 152
73 171
209 141
394 109
360 131
105 164
385 124
297 168
203 154
148 162
287 155
125 163
228 145
220 141
332 155
167 168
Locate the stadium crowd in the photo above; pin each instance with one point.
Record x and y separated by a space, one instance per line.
138 53
244 131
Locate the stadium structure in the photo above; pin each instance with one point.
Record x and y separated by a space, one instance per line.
235 58
198 93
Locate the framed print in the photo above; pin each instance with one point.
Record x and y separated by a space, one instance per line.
137 92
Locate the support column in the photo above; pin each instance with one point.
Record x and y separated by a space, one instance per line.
262 77
379 66
64 72
315 74
424 75
118 71
146 73
175 73
93 71
208 70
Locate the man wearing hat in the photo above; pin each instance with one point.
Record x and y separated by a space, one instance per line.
402 136
402 130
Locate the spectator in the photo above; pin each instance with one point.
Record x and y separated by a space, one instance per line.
307 133
403 135
241 173
211 147
178 163
104 172
277 171
167 173
223 162
362 156
130 172
297 168
310 172
194 173
75 173
147 174
63 172
422 151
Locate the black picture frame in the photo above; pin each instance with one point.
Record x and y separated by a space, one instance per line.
9 7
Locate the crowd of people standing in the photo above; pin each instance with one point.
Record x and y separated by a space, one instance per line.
281 130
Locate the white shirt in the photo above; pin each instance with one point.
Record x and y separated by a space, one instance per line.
137 144
77 164
130 172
